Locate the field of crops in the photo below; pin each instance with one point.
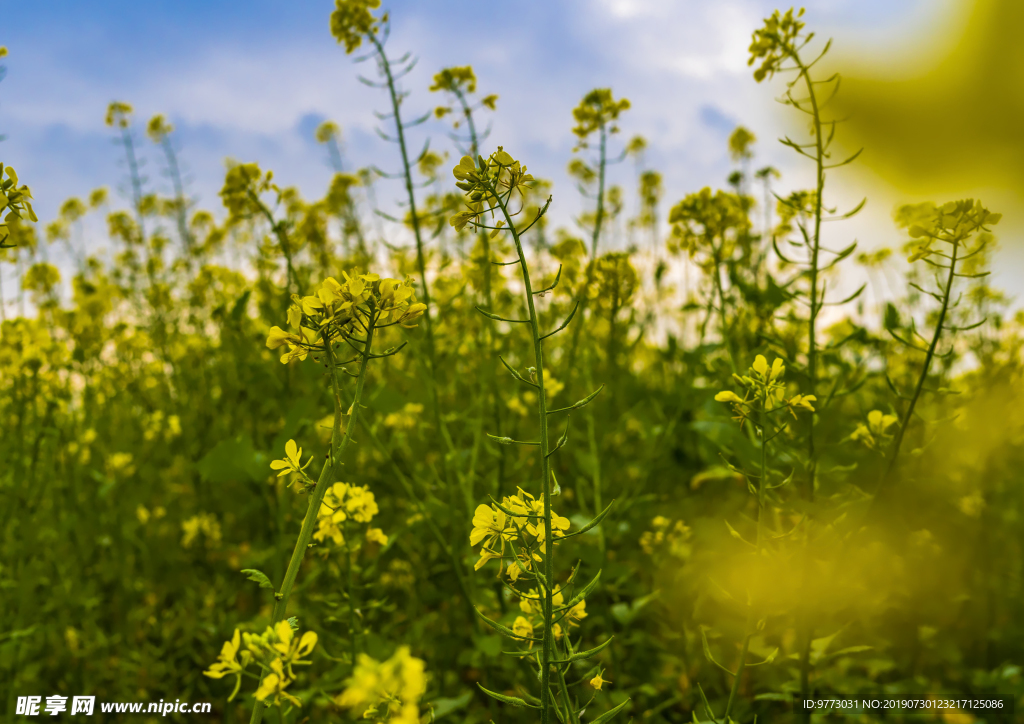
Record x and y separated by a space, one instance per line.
328 459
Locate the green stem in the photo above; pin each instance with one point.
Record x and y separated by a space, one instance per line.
929 356
280 233
739 674
573 718
415 220
133 172
595 238
352 600
179 194
327 475
726 332
762 487
487 379
812 348
538 353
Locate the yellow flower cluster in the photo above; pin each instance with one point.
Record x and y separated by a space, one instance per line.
144 514
672 538
343 502
361 301
159 425
876 431
493 527
204 523
483 180
951 223
764 386
597 109
531 604
352 20
701 218
243 184
277 650
406 418
775 42
14 201
390 690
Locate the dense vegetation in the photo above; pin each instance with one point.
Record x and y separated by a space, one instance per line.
477 468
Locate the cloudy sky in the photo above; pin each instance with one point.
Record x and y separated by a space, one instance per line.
252 80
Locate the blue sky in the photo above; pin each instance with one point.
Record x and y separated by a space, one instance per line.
251 80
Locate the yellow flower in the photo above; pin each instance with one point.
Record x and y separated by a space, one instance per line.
760 366
343 502
598 109
298 344
597 682
522 627
274 684
803 402
399 683
228 663
578 612
876 430
489 528
204 523
352 20
292 462
880 422
728 396
972 505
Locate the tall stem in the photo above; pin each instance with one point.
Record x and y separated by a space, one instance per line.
594 239
726 336
328 474
812 350
421 262
282 237
133 173
762 483
929 356
812 347
487 379
179 194
538 353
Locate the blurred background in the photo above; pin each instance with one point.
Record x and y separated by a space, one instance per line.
932 87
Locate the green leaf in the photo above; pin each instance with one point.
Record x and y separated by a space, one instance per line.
627 613
707 652
259 576
767 659
580 655
444 707
488 645
238 310
504 629
234 459
608 715
581 594
592 523
892 316
586 400
513 700
847 650
735 534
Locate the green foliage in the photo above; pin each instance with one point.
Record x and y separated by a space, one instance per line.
507 472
